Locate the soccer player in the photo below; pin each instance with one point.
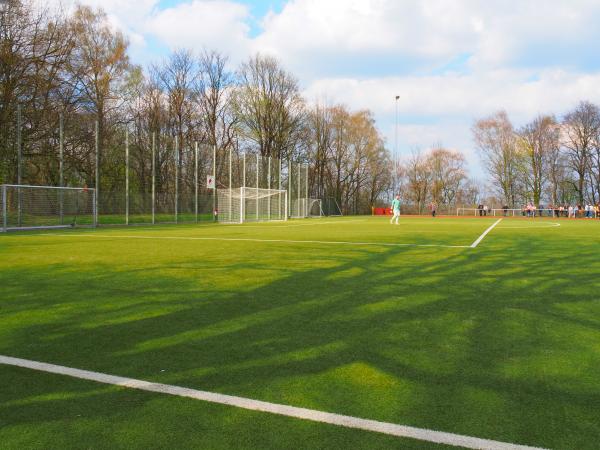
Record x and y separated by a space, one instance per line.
396 209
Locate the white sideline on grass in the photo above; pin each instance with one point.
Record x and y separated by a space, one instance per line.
484 234
285 241
392 429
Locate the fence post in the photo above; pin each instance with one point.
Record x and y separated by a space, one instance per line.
97 198
153 177
289 187
61 178
306 197
176 179
196 180
4 209
126 176
299 176
243 190
230 193
95 208
215 180
279 195
19 164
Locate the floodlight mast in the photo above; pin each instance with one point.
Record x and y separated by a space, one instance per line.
395 162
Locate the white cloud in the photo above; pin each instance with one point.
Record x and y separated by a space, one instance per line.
211 24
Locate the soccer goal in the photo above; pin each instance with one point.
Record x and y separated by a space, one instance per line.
26 207
247 204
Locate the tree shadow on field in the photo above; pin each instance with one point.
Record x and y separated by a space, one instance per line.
499 342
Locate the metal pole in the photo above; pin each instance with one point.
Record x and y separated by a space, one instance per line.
95 208
176 179
244 170
215 181
196 180
126 176
230 193
289 189
298 190
306 198
279 195
269 187
243 190
257 170
97 167
153 177
4 210
19 165
395 159
61 177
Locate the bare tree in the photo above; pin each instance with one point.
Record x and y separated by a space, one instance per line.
580 136
537 140
269 106
495 139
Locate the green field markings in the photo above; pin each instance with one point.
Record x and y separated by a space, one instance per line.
500 342
420 434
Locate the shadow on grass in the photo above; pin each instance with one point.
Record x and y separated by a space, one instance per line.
494 344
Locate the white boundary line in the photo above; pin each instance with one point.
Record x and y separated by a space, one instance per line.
273 408
245 225
538 225
485 233
287 241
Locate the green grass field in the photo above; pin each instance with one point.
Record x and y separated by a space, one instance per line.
501 341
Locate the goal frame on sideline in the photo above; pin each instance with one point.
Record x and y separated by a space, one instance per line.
4 223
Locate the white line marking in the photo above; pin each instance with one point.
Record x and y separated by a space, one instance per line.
392 429
539 225
338 222
480 238
289 241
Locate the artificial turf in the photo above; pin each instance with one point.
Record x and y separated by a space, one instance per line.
501 341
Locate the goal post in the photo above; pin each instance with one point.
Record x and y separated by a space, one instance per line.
26 207
250 204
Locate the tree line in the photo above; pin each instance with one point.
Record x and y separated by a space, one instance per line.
66 77
547 161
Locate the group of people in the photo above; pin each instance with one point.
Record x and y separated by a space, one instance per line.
587 211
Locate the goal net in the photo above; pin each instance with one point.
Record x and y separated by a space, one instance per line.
306 207
247 204
29 207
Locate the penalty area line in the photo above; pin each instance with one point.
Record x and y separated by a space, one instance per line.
485 233
392 429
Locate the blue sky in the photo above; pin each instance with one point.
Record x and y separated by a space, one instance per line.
451 62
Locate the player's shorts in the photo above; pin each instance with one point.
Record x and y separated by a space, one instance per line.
396 212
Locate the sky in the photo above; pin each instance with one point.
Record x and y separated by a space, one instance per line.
450 61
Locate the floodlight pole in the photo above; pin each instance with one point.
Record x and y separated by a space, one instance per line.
395 159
